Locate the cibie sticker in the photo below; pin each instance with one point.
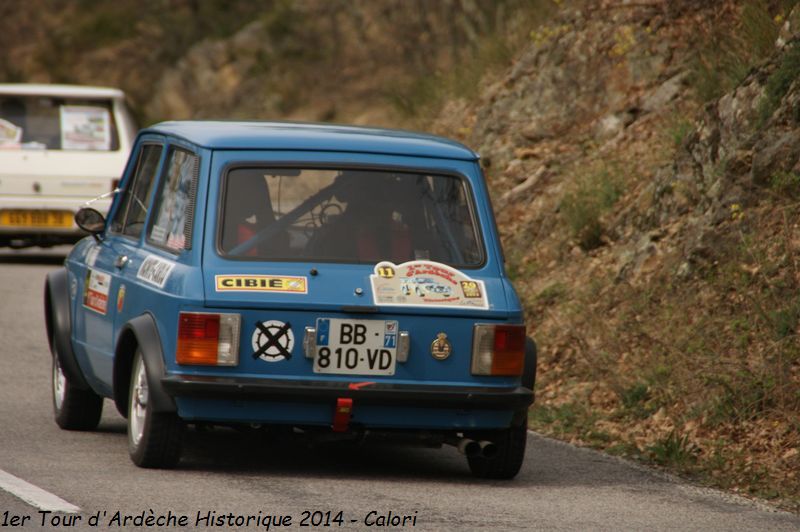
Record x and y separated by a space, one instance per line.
425 283
155 270
95 291
261 283
273 341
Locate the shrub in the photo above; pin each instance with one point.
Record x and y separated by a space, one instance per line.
583 207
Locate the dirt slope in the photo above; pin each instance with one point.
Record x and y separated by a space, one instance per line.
654 236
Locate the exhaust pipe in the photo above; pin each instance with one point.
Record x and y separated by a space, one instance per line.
488 449
469 447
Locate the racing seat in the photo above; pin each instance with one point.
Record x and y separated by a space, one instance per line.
248 210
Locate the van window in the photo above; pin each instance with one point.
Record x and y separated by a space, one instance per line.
53 123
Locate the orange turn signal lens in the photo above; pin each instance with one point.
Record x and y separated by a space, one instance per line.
208 339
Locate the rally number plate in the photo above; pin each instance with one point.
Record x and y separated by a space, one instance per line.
356 347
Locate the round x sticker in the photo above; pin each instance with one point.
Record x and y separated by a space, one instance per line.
273 341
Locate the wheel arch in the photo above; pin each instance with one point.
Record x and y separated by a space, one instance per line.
140 333
58 322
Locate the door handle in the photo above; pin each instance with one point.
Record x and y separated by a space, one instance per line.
121 261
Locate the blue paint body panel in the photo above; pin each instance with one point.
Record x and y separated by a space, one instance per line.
334 290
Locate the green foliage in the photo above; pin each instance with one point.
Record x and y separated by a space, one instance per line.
744 396
566 418
552 294
678 129
519 266
785 320
779 82
506 29
176 26
728 54
672 450
583 206
634 396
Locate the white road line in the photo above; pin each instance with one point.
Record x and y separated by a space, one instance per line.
35 496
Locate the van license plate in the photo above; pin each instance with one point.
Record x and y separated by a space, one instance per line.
36 218
356 347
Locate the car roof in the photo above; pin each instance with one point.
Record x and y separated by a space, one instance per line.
245 135
72 91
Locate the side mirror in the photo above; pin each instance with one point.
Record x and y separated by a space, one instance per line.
90 220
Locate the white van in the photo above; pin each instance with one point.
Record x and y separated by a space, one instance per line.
60 146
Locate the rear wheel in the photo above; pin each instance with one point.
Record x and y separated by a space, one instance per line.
510 446
154 438
74 409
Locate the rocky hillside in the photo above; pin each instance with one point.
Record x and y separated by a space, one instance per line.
346 60
644 159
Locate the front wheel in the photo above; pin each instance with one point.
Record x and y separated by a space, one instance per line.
74 409
154 438
506 463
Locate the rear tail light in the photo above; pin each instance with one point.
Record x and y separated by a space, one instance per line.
498 349
208 339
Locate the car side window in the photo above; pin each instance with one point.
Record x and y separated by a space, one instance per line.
173 208
129 218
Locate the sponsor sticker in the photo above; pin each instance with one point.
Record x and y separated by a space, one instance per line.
424 283
95 291
91 256
262 283
273 341
120 298
155 270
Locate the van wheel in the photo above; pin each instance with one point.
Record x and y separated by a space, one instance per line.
74 409
506 463
154 438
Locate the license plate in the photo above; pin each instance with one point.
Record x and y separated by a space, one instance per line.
23 218
356 347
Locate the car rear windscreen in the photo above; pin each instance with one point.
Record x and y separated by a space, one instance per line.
354 216
52 123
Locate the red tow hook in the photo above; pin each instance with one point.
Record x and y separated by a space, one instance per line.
341 416
344 408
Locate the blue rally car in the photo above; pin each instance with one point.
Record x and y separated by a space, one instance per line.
326 278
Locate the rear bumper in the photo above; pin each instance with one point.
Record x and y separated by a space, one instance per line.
374 394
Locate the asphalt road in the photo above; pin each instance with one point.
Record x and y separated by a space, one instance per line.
226 472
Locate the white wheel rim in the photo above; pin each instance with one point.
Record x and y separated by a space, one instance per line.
59 383
138 406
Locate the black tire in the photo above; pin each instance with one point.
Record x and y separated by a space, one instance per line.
154 438
507 462
73 408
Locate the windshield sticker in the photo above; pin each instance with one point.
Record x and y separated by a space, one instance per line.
85 127
262 283
423 283
95 291
10 135
155 270
273 341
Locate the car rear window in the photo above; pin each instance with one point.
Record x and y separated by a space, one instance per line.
343 215
45 122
